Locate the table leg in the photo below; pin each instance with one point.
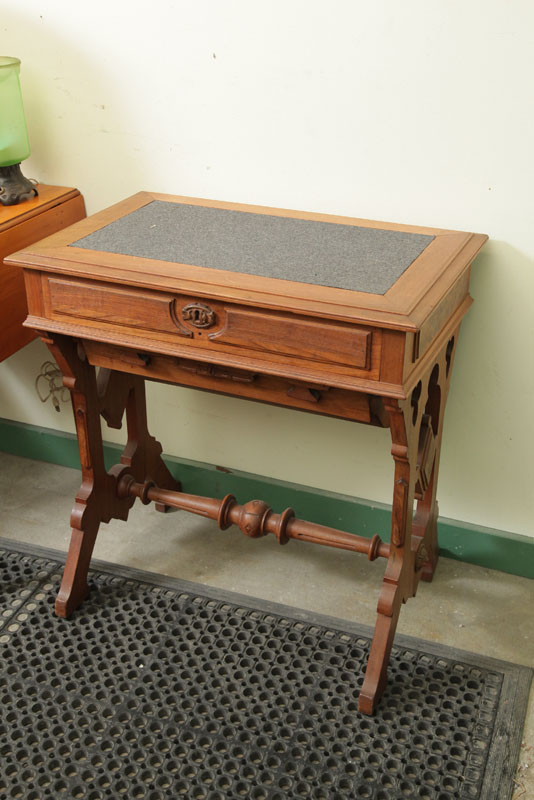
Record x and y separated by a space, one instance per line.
416 426
97 499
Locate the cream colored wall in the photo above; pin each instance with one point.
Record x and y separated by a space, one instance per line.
414 112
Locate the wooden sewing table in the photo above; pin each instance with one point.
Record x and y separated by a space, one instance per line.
330 315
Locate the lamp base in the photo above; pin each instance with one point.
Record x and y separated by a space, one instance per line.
14 187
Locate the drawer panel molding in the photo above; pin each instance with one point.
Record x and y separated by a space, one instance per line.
136 309
315 341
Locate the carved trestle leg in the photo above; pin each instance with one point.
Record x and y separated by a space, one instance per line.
397 583
416 426
97 499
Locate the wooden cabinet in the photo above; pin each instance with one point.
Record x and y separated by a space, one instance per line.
54 208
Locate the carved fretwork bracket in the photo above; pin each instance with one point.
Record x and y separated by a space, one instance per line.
425 456
399 511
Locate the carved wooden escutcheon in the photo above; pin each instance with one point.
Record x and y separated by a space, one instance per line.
199 315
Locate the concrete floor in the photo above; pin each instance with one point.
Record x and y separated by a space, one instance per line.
468 607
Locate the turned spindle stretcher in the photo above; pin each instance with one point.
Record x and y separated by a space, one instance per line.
330 315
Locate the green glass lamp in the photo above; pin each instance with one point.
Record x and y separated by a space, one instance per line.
14 144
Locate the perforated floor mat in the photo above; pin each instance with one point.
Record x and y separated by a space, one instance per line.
158 689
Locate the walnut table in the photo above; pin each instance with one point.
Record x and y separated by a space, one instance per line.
330 315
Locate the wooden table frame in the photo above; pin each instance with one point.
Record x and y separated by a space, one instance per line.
378 359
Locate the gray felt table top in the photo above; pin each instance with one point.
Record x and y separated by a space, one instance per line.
321 253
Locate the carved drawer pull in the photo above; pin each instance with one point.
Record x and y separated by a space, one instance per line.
215 371
309 393
238 377
199 314
195 367
145 358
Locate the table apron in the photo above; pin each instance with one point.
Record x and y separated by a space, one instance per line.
311 396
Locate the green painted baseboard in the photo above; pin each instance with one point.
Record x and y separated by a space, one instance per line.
486 547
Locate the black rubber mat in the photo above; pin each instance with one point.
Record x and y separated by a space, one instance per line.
158 688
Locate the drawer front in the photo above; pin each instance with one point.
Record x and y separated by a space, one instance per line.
214 326
147 311
271 333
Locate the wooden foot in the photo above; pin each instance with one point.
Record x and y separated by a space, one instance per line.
161 507
376 673
74 587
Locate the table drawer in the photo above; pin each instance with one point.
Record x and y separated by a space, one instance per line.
247 384
215 325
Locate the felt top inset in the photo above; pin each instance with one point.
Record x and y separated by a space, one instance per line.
322 253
